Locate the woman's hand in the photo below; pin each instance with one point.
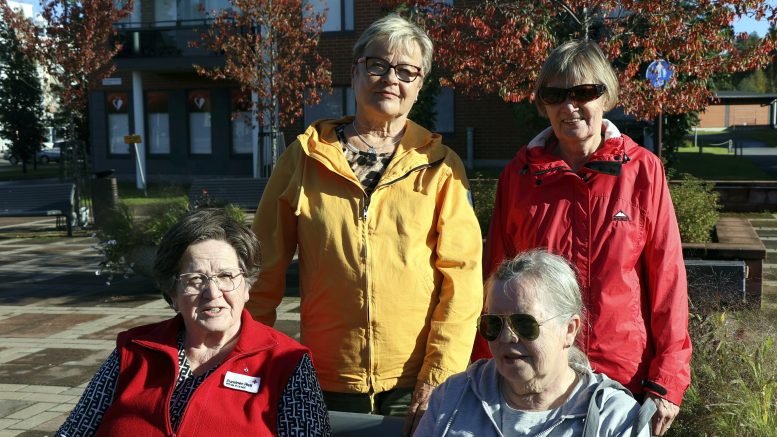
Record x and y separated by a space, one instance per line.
417 407
664 415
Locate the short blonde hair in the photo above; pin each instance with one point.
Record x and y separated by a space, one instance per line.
398 34
575 61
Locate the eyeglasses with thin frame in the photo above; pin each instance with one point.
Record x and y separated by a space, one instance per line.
524 326
379 67
195 283
579 93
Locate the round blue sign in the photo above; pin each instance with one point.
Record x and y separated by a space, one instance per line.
658 73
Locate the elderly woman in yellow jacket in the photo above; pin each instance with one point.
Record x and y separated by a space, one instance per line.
389 246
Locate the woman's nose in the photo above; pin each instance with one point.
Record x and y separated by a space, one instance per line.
212 289
507 335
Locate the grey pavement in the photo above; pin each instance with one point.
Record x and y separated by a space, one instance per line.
59 320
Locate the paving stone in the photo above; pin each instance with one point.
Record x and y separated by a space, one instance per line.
766 232
43 324
31 411
50 426
111 332
54 366
4 424
770 244
36 420
11 406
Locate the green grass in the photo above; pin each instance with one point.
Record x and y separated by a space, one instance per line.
43 172
719 167
766 135
710 150
155 193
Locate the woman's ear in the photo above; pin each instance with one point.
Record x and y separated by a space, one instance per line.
573 327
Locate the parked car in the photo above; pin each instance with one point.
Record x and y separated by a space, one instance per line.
44 156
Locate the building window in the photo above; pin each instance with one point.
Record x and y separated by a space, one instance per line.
190 9
198 104
339 14
165 11
242 132
158 123
341 102
118 122
444 108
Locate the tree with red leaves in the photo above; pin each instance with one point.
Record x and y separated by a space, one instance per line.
270 50
74 44
499 46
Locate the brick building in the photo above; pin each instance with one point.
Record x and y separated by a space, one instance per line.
185 119
739 108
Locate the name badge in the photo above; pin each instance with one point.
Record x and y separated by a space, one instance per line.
242 382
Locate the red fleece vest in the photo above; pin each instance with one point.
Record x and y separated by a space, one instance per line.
149 367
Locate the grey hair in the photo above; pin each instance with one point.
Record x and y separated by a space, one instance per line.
197 226
559 292
398 34
575 61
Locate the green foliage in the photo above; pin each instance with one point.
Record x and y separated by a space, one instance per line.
734 377
530 121
755 82
675 130
124 231
21 107
423 111
483 195
697 208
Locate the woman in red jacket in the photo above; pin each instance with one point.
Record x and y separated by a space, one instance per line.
583 190
211 369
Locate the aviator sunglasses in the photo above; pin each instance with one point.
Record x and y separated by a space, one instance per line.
526 327
579 93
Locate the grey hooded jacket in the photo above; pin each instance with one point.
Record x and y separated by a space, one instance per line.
468 404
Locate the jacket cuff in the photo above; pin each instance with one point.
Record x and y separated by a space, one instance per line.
433 375
672 395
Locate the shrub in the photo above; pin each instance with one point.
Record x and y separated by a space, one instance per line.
124 231
483 195
697 208
733 377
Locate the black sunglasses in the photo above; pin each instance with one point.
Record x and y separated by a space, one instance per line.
526 327
578 93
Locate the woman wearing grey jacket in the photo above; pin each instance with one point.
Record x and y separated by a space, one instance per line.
538 382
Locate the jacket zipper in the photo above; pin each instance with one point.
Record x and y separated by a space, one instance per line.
365 209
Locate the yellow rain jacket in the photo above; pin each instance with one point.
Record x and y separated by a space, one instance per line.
390 285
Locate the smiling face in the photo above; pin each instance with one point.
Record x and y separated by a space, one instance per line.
212 311
383 98
576 123
529 366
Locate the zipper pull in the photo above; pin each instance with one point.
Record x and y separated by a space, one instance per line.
364 210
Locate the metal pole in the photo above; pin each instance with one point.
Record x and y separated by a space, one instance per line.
660 133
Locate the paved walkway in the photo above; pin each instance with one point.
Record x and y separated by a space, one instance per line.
58 320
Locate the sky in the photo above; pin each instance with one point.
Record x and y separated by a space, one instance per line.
744 25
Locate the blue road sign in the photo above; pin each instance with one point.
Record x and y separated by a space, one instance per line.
658 73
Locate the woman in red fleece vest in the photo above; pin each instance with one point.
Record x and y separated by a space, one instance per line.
211 369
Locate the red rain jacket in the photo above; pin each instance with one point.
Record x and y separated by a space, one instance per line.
614 220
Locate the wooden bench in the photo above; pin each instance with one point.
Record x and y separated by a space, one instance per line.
39 200
243 192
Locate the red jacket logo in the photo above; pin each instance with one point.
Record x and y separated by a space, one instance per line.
620 216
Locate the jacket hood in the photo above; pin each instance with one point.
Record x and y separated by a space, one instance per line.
482 373
418 146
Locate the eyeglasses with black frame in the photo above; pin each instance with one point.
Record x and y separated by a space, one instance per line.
579 93
195 283
525 326
379 67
